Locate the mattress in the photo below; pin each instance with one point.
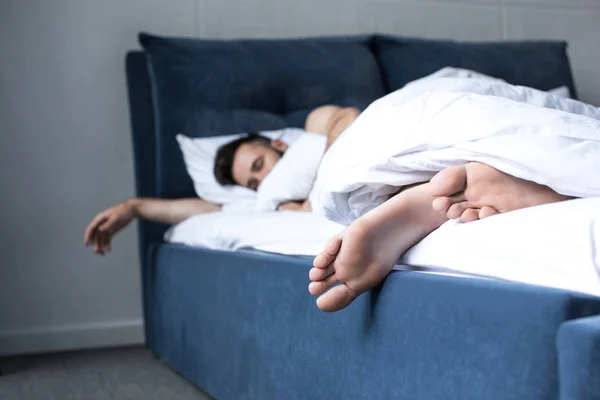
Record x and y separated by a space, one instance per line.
554 245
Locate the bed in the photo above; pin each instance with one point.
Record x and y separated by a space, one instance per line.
241 325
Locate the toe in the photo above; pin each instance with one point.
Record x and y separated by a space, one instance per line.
449 182
329 252
337 298
323 260
318 274
470 215
457 209
316 288
441 204
487 211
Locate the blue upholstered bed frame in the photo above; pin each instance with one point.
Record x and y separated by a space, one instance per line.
242 325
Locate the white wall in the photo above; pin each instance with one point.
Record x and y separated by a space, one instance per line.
65 148
65 154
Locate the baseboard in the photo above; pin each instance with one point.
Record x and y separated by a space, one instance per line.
71 337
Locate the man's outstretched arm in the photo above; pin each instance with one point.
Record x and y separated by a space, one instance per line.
106 224
171 211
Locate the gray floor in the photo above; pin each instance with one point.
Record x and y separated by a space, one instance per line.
121 374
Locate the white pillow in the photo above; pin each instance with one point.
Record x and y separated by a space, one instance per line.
561 91
199 158
451 72
284 232
293 176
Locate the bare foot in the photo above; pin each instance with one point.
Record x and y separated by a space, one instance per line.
475 190
364 254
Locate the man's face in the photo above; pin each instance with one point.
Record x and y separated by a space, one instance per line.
253 161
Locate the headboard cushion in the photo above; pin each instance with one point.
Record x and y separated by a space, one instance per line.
539 64
216 87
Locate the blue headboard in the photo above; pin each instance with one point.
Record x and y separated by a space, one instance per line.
212 87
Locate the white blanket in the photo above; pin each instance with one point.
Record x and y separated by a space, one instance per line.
411 134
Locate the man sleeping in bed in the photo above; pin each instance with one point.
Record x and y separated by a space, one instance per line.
359 258
245 162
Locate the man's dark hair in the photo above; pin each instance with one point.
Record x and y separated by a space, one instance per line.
224 158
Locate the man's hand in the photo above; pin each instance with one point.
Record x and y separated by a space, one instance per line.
106 224
290 206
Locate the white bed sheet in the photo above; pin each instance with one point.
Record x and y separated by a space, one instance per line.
555 245
283 232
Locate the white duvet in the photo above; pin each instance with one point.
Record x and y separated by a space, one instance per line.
411 134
